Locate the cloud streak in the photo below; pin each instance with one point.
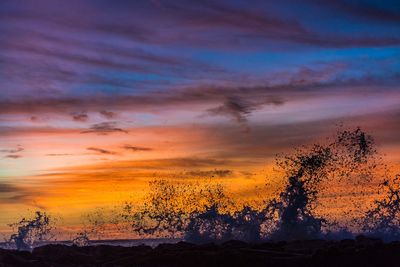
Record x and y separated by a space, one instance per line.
80 117
104 128
101 151
239 22
213 173
239 109
13 156
12 151
108 114
136 148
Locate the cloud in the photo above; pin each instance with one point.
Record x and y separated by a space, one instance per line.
249 25
80 117
81 58
104 128
13 194
101 151
273 89
108 114
150 102
136 148
191 162
58 154
162 164
213 173
9 188
233 107
34 118
367 10
13 151
231 25
13 156
239 109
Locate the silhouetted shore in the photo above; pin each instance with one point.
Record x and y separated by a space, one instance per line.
153 242
359 252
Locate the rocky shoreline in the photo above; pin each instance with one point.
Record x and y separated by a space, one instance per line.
359 252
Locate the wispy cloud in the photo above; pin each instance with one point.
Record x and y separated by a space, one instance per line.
212 173
233 107
228 24
80 117
105 128
13 156
235 100
368 10
11 193
12 151
58 154
108 114
101 151
15 194
136 148
8 188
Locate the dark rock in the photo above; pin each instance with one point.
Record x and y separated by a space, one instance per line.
363 251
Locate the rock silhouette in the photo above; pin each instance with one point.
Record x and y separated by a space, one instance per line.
349 252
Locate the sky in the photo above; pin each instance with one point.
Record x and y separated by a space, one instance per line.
99 97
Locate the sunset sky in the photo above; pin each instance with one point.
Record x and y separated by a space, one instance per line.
99 97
